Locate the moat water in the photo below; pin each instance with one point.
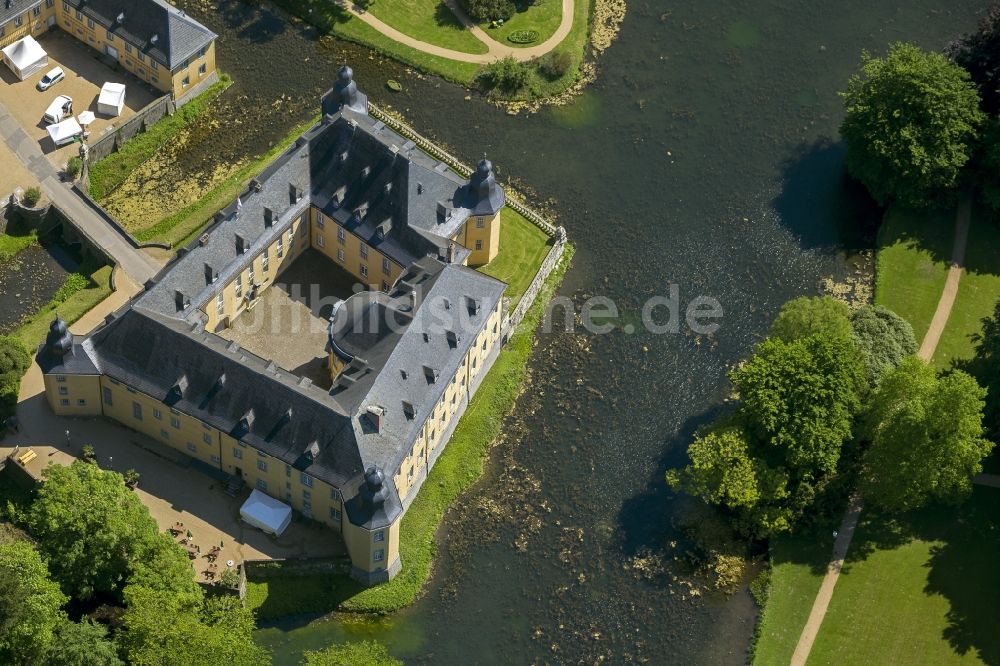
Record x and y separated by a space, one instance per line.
705 156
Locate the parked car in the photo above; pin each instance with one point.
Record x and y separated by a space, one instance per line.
54 76
60 109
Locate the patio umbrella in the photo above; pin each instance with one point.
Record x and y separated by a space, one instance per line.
86 117
189 534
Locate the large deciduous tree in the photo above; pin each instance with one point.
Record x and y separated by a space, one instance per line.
30 605
926 437
90 528
805 316
985 367
14 361
979 54
349 654
883 339
82 643
911 124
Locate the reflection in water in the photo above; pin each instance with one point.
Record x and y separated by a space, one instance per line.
706 156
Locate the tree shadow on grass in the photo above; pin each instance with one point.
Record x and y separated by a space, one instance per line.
446 18
823 206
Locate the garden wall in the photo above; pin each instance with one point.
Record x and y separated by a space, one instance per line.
146 117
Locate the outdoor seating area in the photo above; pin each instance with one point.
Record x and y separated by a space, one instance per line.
206 564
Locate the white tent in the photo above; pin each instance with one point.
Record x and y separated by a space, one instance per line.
64 132
266 513
25 57
112 99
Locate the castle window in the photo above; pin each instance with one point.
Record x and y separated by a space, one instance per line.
319 222
175 422
335 494
379 555
63 390
239 286
237 453
364 271
385 266
111 36
186 81
79 15
220 304
90 23
164 434
364 250
216 459
262 485
64 402
265 262
334 514
281 248
81 403
320 240
192 447
305 480
137 411
35 11
341 234
107 396
262 465
480 223
61 378
380 535
307 496
479 245
157 414
340 256
207 438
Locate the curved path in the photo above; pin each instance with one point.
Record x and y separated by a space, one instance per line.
927 348
496 49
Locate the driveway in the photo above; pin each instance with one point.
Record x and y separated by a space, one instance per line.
85 74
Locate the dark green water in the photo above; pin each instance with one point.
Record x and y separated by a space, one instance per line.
705 156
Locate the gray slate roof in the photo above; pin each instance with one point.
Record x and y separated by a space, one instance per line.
366 176
177 35
16 8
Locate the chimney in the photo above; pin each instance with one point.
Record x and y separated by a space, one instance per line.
376 415
268 217
180 300
451 252
203 241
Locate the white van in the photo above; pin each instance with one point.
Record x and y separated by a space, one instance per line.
54 76
60 109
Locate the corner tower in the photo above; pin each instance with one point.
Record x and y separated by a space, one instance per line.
485 199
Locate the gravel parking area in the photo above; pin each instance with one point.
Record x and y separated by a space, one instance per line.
12 173
85 74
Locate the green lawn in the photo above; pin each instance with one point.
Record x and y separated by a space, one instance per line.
914 249
10 245
542 16
81 292
522 248
924 589
798 564
978 291
429 21
109 173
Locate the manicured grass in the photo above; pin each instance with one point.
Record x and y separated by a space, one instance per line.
81 292
178 229
522 246
798 564
542 16
459 466
112 171
11 245
922 589
429 21
978 291
912 265
296 595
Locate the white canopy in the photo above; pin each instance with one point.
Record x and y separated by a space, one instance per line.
112 99
265 512
64 131
25 57
86 117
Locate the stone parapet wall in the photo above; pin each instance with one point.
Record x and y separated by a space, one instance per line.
145 118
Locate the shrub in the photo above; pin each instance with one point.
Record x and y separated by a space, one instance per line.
523 36
554 64
506 74
14 362
73 167
489 10
31 196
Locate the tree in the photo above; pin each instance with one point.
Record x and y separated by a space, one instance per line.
30 604
979 54
369 653
798 400
802 317
90 528
490 10
883 339
14 362
985 367
165 567
217 630
506 74
83 643
768 463
912 119
926 437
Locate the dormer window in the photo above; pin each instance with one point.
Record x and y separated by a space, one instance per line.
154 39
